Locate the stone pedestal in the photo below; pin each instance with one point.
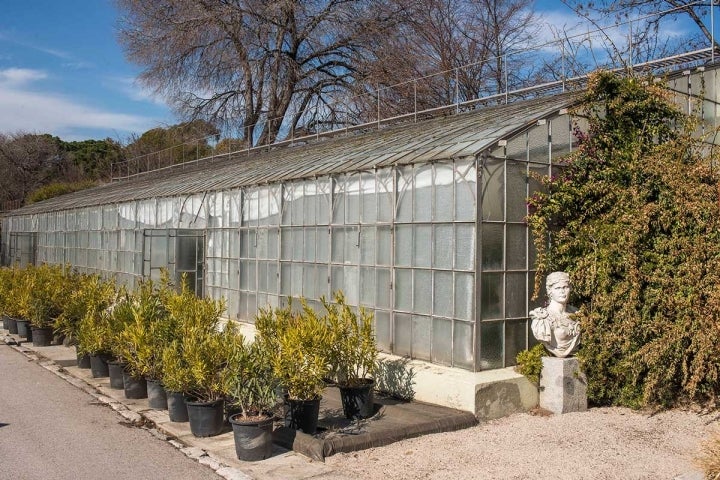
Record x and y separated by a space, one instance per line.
563 387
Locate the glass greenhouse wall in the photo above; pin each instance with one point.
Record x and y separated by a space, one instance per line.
438 250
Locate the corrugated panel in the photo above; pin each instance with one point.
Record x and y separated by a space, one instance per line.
460 135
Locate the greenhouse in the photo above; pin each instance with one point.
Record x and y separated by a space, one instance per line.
423 223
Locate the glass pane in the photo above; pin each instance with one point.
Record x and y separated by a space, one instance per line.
422 245
491 345
272 240
285 278
493 192
262 243
158 252
352 199
367 287
516 248
323 202
402 334
367 246
538 145
403 245
338 245
352 285
352 245
465 190
404 195
422 288
491 295
369 199
443 193
463 345
262 277
515 339
383 333
338 201
386 208
423 194
384 245
337 279
309 255
186 254
517 147
465 246
421 335
310 207
516 191
443 246
320 243
442 341
515 291
464 296
403 289
443 294
383 296
308 290
561 136
492 246
321 280
297 279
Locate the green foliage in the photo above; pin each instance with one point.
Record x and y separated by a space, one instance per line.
89 293
352 347
633 218
253 387
56 189
202 359
43 293
146 329
300 342
529 363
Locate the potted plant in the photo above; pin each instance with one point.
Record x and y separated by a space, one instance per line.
91 292
300 362
253 389
7 298
137 345
353 356
93 337
201 360
47 287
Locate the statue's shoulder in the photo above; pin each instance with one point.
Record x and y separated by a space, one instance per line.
539 313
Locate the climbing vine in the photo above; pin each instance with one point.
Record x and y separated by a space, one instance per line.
634 217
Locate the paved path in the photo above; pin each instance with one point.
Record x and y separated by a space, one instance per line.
51 430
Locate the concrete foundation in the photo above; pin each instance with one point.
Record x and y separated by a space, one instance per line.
563 387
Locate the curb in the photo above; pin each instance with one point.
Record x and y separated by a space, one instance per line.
133 418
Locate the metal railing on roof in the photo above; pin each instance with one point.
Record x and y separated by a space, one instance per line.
189 153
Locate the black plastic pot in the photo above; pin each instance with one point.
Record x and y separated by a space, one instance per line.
115 372
206 418
5 320
83 361
253 440
42 337
134 387
157 398
177 409
99 366
302 414
12 325
23 328
358 401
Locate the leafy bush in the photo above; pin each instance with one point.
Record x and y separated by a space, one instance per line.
58 188
633 218
253 387
529 363
89 292
352 346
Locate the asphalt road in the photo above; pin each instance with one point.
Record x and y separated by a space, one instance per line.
50 430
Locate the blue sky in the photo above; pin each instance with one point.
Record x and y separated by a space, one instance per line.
63 72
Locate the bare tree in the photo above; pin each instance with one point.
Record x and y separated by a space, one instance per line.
29 161
261 64
455 50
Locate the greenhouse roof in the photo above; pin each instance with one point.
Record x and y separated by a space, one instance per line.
453 136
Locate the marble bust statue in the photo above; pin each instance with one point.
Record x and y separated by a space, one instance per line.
552 325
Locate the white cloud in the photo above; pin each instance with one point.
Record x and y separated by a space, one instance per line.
134 90
46 112
20 76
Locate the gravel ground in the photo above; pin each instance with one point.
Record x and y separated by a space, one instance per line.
602 443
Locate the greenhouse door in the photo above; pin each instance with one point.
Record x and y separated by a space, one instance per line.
180 251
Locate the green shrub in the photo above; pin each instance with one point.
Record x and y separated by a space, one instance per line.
58 188
89 292
529 363
352 347
633 218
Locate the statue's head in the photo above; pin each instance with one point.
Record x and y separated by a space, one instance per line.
557 286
